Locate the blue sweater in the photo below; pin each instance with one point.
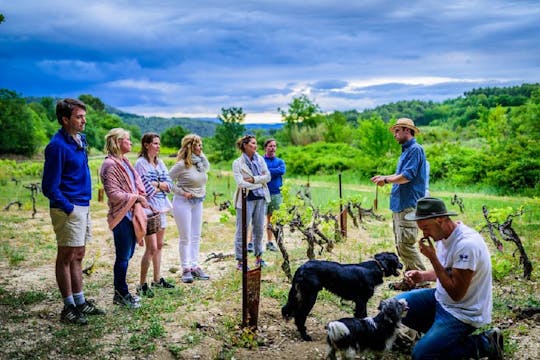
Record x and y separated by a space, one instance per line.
276 166
66 175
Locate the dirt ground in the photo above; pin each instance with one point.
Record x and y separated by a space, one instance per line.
279 340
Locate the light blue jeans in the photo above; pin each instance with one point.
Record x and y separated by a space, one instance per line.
256 216
445 337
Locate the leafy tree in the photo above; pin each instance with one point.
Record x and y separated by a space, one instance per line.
306 135
232 115
322 158
494 128
2 18
172 137
337 128
93 101
413 109
374 138
49 106
18 135
302 112
230 129
43 127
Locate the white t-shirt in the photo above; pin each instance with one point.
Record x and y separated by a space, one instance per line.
466 249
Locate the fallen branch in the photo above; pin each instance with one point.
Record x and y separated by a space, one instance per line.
218 257
16 202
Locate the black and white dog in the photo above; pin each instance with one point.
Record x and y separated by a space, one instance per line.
349 336
354 282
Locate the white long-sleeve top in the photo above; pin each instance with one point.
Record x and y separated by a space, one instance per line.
190 179
241 169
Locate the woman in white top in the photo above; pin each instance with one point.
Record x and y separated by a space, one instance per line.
157 183
250 172
189 176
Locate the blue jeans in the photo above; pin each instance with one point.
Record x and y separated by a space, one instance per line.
445 337
124 243
255 216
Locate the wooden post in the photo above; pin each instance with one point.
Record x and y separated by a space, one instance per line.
101 190
376 201
244 260
342 213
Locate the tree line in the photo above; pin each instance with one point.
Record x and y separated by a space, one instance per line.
487 137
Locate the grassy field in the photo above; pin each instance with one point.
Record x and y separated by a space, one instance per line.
201 320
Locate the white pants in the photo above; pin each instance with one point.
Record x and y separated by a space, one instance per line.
188 218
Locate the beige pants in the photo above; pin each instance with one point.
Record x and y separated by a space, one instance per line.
405 232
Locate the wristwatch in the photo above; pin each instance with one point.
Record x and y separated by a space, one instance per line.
386 180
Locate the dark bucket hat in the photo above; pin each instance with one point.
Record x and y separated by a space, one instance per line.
429 207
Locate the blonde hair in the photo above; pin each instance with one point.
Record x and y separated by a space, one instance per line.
186 150
111 141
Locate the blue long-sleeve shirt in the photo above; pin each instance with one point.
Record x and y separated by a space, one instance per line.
276 166
412 165
66 175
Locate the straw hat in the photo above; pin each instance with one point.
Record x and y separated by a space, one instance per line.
405 122
429 207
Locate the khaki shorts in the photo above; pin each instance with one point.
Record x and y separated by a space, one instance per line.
72 230
273 205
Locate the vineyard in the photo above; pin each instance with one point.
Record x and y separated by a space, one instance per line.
202 320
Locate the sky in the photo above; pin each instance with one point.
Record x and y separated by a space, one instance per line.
193 58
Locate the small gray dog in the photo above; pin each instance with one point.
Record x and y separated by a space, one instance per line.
351 335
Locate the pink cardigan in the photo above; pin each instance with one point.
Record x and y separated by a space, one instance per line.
120 194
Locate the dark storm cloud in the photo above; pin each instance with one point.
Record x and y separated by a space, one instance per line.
195 57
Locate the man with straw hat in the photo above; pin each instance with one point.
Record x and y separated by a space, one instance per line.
461 301
408 185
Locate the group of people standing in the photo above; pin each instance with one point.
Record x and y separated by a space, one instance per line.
447 315
134 193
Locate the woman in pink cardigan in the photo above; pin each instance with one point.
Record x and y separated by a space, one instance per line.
126 217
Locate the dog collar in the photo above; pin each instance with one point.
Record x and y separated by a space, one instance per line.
379 265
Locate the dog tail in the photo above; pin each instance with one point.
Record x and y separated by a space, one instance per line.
336 330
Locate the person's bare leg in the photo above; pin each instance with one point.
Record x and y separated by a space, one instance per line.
150 246
64 257
76 269
269 233
156 257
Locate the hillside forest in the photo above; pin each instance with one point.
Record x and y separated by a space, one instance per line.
488 138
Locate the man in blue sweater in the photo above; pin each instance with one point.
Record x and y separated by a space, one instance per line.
67 184
276 166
